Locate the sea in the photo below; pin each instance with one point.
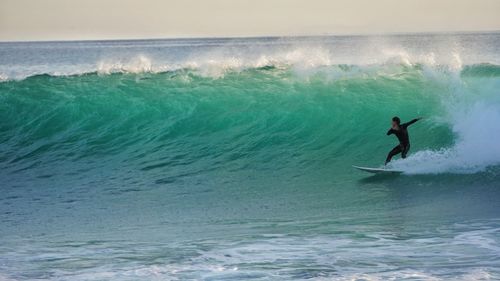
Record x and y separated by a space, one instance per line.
231 158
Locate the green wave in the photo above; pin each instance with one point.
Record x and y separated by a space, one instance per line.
179 124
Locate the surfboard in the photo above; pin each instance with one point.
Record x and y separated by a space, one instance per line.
377 170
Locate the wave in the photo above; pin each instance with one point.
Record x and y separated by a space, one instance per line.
216 63
306 109
215 69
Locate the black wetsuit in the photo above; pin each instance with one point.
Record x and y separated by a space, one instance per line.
404 140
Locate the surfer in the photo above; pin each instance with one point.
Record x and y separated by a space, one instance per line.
401 132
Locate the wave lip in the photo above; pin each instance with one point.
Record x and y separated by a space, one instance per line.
215 61
217 69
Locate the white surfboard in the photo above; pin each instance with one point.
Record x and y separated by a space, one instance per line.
377 170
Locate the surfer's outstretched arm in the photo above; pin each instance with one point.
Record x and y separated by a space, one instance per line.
411 122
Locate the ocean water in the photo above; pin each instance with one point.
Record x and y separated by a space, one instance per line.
230 159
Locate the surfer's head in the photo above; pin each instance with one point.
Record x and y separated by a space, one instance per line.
395 121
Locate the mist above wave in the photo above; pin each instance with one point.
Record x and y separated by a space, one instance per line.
215 57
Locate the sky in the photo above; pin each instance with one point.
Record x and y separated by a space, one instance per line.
33 20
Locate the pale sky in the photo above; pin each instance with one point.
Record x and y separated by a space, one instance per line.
131 19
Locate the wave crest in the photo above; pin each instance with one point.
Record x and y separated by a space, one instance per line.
220 61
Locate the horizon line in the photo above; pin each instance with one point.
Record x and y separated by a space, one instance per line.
256 37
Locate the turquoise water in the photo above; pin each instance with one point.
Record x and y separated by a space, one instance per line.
230 159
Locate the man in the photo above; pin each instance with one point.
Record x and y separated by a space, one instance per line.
401 132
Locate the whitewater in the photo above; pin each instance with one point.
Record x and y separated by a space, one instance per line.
211 159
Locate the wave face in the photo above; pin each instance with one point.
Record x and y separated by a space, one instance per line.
167 139
253 116
319 101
